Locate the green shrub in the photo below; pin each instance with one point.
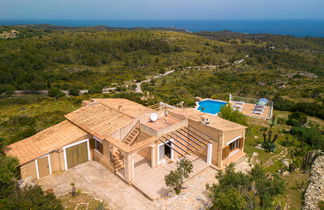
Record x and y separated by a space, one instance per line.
55 93
95 89
235 116
297 119
311 136
237 190
176 178
74 92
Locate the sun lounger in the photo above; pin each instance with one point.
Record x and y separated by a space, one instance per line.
237 108
239 102
257 112
258 109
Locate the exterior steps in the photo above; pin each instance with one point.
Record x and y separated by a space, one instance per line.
118 162
132 136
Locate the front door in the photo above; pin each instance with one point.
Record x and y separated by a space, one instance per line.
77 154
43 166
167 150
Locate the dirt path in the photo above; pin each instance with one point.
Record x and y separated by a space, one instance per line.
139 84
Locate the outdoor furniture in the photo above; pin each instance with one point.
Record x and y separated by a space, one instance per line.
239 103
257 112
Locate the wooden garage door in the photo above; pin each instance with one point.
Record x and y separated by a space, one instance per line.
77 154
43 166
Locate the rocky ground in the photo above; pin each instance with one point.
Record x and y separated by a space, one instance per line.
315 189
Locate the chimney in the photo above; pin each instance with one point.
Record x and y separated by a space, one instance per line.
204 120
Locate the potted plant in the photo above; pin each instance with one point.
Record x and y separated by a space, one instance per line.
74 191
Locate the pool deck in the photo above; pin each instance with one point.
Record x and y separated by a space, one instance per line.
247 109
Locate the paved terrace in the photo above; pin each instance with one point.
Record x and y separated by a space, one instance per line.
151 181
92 177
247 109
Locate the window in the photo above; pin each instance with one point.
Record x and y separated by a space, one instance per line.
98 145
234 145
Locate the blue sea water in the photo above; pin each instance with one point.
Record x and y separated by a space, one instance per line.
314 28
210 106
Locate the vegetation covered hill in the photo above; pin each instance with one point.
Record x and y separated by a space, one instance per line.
285 69
209 64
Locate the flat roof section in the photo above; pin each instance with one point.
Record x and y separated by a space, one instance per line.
162 122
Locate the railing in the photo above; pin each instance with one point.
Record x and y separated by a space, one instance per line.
131 130
124 131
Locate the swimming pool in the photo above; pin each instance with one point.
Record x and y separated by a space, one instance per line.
210 106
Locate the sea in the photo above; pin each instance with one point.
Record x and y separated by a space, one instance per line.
299 28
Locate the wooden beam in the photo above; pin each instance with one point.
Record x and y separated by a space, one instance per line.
175 149
209 142
194 137
183 144
185 141
190 139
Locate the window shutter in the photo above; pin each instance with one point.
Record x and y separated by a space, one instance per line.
225 152
241 143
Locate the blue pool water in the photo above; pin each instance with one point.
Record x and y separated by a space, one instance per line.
210 106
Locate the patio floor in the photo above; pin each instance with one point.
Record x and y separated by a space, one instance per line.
247 109
151 181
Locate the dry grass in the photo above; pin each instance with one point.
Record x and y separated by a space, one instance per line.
80 202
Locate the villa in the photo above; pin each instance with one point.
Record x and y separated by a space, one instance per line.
137 143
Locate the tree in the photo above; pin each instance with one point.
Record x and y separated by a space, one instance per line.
297 119
228 199
176 178
95 89
8 175
228 113
31 197
266 186
236 190
74 92
7 89
55 92
311 136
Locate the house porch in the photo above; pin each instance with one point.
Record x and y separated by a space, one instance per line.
150 181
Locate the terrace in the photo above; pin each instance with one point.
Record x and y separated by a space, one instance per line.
150 181
256 108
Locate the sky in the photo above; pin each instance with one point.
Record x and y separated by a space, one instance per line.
162 9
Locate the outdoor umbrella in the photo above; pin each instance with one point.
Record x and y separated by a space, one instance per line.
263 101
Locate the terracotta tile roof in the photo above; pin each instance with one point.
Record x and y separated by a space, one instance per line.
125 106
214 121
52 138
98 119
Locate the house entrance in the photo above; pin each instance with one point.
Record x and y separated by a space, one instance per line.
167 150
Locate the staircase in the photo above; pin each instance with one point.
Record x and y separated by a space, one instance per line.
131 136
118 161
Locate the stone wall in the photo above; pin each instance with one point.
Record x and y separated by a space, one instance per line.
315 189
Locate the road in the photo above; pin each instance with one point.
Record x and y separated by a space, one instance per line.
139 84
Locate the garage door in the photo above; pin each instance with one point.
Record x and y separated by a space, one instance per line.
43 166
77 154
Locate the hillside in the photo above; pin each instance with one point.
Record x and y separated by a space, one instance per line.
207 64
